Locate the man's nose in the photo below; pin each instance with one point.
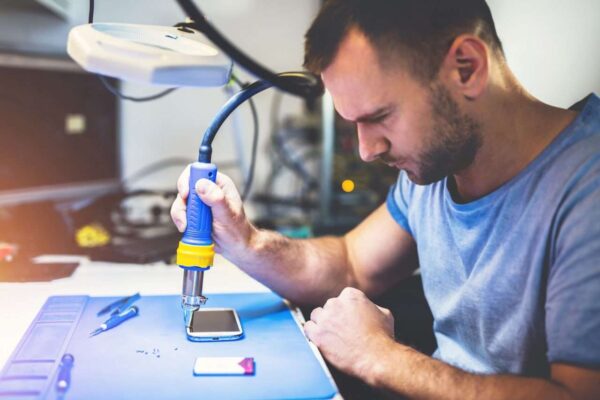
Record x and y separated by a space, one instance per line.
370 145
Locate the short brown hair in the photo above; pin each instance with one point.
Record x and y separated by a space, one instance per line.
423 29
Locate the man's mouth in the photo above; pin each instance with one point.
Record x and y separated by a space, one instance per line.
394 164
392 161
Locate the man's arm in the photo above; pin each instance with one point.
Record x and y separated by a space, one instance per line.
406 371
358 338
372 257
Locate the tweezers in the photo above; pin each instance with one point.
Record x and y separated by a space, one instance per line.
122 304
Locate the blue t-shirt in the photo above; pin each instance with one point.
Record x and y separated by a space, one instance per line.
513 278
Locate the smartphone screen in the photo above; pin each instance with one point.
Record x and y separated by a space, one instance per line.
214 321
209 324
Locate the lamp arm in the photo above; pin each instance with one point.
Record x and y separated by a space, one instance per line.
310 88
293 78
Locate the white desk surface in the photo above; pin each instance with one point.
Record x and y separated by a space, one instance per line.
20 302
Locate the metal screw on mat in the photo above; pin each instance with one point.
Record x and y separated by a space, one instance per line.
155 352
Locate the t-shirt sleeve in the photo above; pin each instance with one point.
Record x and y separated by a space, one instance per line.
397 203
573 296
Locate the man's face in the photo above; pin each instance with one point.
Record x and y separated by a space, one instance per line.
404 123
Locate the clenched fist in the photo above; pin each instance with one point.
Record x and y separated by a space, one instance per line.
351 331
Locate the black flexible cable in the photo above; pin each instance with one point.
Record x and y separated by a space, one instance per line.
122 96
91 14
205 152
307 88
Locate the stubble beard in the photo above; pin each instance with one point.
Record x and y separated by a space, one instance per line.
454 142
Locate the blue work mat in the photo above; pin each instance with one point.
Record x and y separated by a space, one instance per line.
149 356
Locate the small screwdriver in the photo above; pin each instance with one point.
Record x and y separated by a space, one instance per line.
115 320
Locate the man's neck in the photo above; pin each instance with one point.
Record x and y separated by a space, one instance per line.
516 131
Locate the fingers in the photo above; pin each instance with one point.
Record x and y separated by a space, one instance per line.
229 189
310 330
224 181
183 183
179 206
222 197
311 327
213 196
352 293
385 311
178 213
314 315
210 193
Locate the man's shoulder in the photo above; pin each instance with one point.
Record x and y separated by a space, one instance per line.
586 126
573 156
579 151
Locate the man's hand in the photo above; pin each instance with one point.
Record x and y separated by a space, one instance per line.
231 229
356 336
351 331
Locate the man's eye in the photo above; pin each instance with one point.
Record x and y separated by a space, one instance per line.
378 119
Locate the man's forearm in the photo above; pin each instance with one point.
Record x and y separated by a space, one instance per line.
405 371
304 271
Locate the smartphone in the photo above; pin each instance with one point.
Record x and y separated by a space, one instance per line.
213 324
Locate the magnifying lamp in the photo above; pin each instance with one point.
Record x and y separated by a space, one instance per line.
169 56
157 55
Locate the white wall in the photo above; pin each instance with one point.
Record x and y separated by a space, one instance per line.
553 46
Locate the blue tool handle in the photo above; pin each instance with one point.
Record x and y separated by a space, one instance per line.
119 318
199 216
127 302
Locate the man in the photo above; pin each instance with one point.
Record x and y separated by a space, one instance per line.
497 202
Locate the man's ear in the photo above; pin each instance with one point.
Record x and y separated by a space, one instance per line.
466 66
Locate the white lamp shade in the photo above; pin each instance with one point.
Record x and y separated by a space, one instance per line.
157 55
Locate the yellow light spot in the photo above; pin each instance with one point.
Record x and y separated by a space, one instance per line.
348 186
92 235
